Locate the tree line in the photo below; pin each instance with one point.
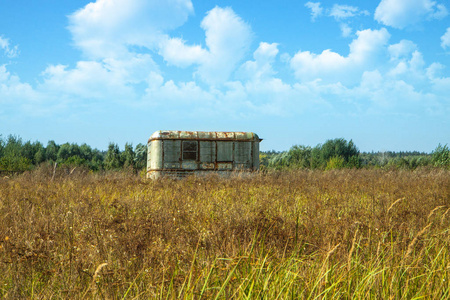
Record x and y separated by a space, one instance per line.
19 156
340 153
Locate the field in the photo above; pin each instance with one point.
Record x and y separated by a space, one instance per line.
347 234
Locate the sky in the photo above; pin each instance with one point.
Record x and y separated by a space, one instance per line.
294 72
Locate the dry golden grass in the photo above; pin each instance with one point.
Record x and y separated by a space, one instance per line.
308 234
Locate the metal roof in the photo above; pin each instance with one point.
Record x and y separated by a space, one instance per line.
203 135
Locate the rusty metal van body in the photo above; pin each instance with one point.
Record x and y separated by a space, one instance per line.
180 153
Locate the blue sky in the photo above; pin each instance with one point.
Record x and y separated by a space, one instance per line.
294 72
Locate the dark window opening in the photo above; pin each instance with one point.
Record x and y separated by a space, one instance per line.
190 150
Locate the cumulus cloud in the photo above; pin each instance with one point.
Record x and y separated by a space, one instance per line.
345 30
316 9
227 40
108 79
340 12
409 69
407 63
8 50
106 28
404 13
365 52
20 98
116 37
402 49
262 65
12 89
176 52
445 39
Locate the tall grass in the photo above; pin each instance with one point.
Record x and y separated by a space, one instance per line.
348 234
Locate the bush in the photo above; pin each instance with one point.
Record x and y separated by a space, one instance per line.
441 156
334 163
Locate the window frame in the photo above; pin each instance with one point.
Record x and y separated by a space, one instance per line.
188 153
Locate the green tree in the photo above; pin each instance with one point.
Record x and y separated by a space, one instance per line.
51 151
39 156
299 157
338 148
113 158
279 160
13 158
128 156
140 159
28 151
2 146
85 152
96 162
64 153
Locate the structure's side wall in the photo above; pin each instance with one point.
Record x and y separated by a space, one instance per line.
255 157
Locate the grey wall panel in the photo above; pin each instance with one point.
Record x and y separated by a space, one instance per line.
224 151
172 154
243 153
207 151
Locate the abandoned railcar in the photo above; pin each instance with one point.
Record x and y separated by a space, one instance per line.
181 153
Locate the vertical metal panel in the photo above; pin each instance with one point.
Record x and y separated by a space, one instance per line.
242 152
172 154
207 151
149 156
256 155
224 151
156 155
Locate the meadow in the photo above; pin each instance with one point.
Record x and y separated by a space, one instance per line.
338 234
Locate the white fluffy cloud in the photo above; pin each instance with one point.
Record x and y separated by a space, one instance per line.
346 30
401 49
12 89
106 28
365 52
108 79
404 13
228 39
316 9
262 65
176 52
116 36
340 12
445 39
8 50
